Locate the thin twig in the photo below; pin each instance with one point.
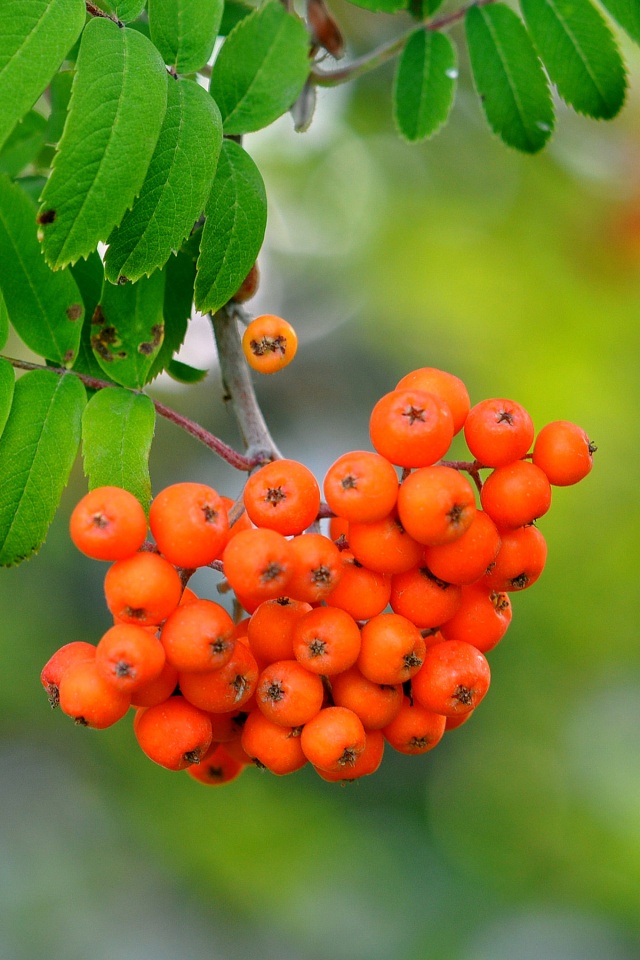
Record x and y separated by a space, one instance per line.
223 450
95 11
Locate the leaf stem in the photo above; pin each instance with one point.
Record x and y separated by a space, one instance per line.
223 450
239 390
387 51
95 11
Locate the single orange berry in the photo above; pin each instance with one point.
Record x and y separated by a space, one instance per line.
142 589
189 523
269 343
108 524
361 486
565 453
284 496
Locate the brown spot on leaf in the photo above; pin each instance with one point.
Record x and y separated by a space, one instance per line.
104 341
98 316
74 312
149 346
47 216
68 357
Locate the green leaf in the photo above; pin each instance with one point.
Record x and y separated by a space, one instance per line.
184 373
117 430
580 54
424 84
44 307
509 78
34 39
180 275
184 31
32 186
261 69
37 450
423 9
236 217
118 101
234 11
627 14
60 94
23 144
7 384
89 275
128 329
126 10
4 322
175 189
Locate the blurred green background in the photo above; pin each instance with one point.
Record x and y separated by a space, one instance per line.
519 836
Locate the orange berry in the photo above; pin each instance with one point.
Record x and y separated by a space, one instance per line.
272 745
129 656
108 524
333 739
143 589
519 562
414 729
453 679
384 546
288 694
445 385
225 689
317 567
481 619
498 432
467 558
173 734
392 649
158 690
436 505
198 636
565 453
56 665
269 343
361 592
189 523
216 768
375 703
424 599
91 700
516 494
326 641
271 628
411 428
258 564
361 486
364 764
284 496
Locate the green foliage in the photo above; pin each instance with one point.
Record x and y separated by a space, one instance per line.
234 229
580 54
107 135
627 14
37 450
425 84
45 308
175 189
107 143
128 329
7 383
41 33
509 77
117 429
184 31
23 144
261 69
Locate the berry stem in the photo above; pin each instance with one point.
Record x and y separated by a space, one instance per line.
239 391
223 450
375 58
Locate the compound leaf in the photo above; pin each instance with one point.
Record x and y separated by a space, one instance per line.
236 217
128 329
37 450
117 430
45 308
580 54
184 31
261 68
509 77
175 189
424 84
35 37
118 101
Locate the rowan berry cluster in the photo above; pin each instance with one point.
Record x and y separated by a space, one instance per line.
373 632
